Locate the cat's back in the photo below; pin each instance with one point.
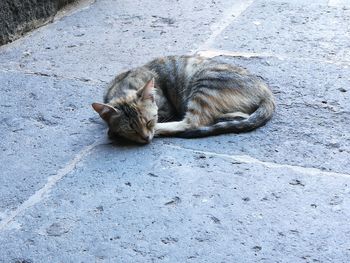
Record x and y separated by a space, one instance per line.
177 65
190 66
168 71
175 75
178 71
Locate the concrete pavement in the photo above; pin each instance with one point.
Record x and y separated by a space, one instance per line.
277 194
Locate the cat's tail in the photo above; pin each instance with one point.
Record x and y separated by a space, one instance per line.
255 120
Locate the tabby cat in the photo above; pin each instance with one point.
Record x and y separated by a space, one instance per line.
184 96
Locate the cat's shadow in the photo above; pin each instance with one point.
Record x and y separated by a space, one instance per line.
114 140
120 142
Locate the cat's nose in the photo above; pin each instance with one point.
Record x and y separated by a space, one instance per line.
147 138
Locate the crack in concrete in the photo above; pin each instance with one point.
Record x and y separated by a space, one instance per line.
51 182
271 165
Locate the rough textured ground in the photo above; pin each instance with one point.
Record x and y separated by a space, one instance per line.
277 194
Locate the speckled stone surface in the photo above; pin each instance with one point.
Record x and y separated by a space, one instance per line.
277 194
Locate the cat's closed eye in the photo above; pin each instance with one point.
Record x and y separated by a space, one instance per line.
150 124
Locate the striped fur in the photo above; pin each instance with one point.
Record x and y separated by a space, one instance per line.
192 97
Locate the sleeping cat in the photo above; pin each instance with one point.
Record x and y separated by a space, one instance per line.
184 96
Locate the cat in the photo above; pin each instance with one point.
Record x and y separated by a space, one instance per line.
184 96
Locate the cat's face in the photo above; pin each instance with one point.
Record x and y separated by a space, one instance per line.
133 118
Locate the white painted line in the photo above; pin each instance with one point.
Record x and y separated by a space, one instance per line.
228 17
250 160
51 182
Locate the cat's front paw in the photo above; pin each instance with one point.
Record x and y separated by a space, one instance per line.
157 133
159 130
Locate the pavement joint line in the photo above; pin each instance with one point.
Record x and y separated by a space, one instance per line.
210 53
40 194
251 160
42 74
228 17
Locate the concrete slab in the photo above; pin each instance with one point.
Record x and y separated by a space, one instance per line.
160 204
290 28
45 123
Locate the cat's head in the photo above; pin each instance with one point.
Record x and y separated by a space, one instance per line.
133 118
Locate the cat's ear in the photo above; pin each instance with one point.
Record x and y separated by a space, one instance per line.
106 111
146 93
